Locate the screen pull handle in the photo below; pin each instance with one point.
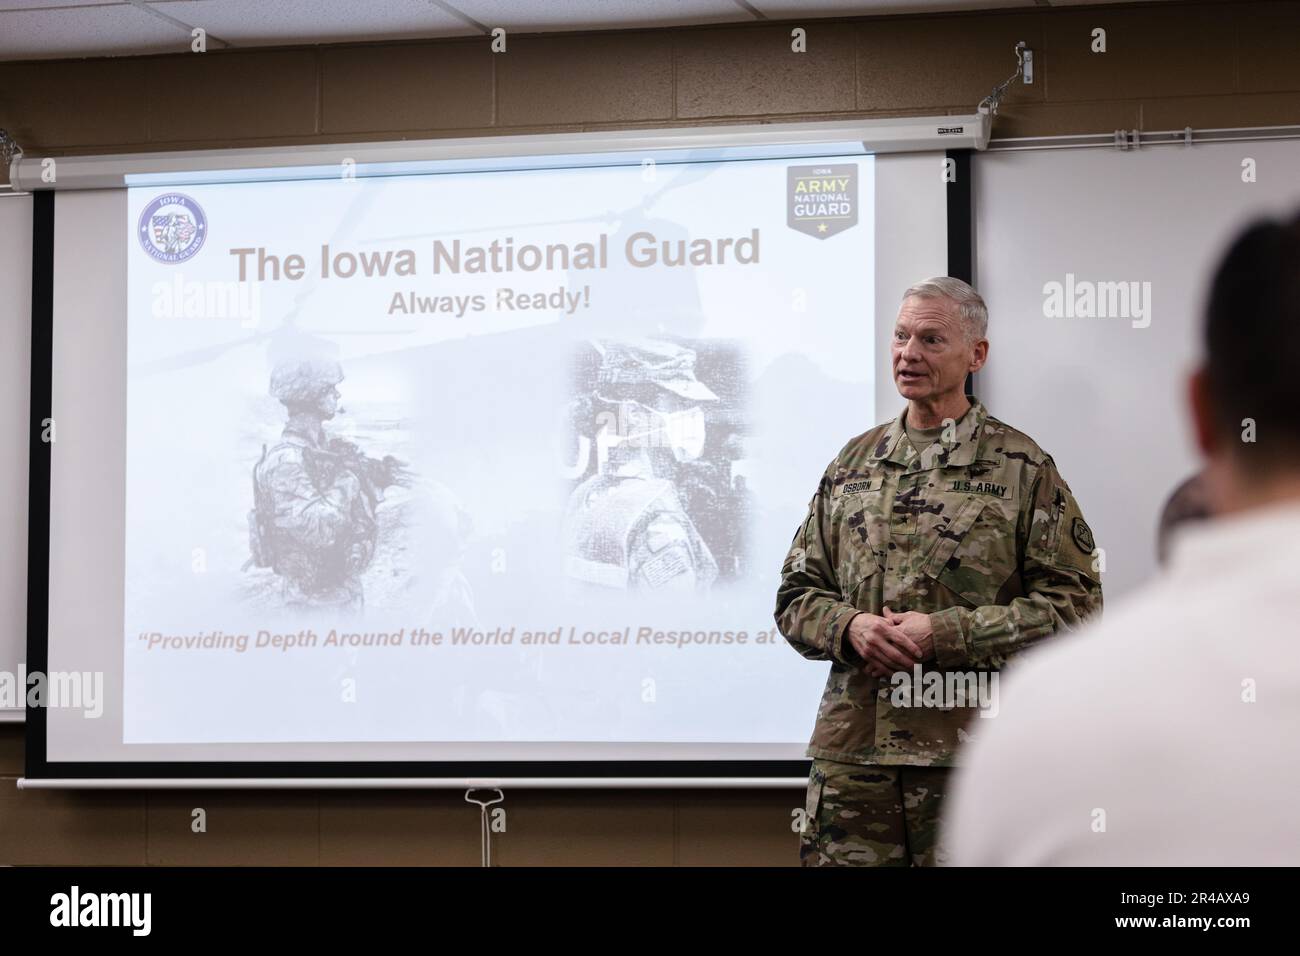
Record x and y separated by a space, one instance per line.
485 824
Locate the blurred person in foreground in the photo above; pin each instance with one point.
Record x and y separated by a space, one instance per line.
1166 733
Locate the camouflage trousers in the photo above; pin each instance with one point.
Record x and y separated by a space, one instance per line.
873 816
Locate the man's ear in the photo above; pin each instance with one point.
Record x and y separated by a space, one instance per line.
1200 408
981 355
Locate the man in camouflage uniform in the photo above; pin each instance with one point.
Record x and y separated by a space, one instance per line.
943 541
313 520
625 527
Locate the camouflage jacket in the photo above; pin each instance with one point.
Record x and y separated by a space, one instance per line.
630 531
980 532
318 521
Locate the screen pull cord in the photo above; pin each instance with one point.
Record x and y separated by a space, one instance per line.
485 826
9 148
1024 70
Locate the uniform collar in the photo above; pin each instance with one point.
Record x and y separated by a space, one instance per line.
895 446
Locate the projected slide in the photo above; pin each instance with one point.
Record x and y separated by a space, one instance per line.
485 457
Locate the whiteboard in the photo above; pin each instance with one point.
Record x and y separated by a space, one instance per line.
15 397
1104 395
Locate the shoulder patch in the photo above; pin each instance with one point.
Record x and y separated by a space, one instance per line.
1082 535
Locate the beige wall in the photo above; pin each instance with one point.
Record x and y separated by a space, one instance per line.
1167 66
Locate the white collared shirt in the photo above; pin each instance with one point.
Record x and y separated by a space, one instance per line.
1166 733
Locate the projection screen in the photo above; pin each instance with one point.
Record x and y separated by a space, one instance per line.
482 472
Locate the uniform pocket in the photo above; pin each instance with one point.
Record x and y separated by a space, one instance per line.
857 558
859 509
858 585
952 535
975 553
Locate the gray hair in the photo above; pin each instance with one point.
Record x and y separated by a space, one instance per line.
970 304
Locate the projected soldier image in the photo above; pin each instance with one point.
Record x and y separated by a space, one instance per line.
662 503
315 521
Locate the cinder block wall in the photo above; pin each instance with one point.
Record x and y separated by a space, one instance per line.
1167 66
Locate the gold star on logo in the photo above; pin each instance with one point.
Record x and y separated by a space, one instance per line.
821 227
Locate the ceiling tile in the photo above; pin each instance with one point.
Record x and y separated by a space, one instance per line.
42 29
533 17
294 22
85 31
7 5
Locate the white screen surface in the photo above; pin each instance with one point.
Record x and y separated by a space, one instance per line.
1106 395
506 518
15 390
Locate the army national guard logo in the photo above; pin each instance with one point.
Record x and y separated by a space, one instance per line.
172 228
822 200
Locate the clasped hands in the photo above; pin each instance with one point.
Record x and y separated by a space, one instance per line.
891 641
